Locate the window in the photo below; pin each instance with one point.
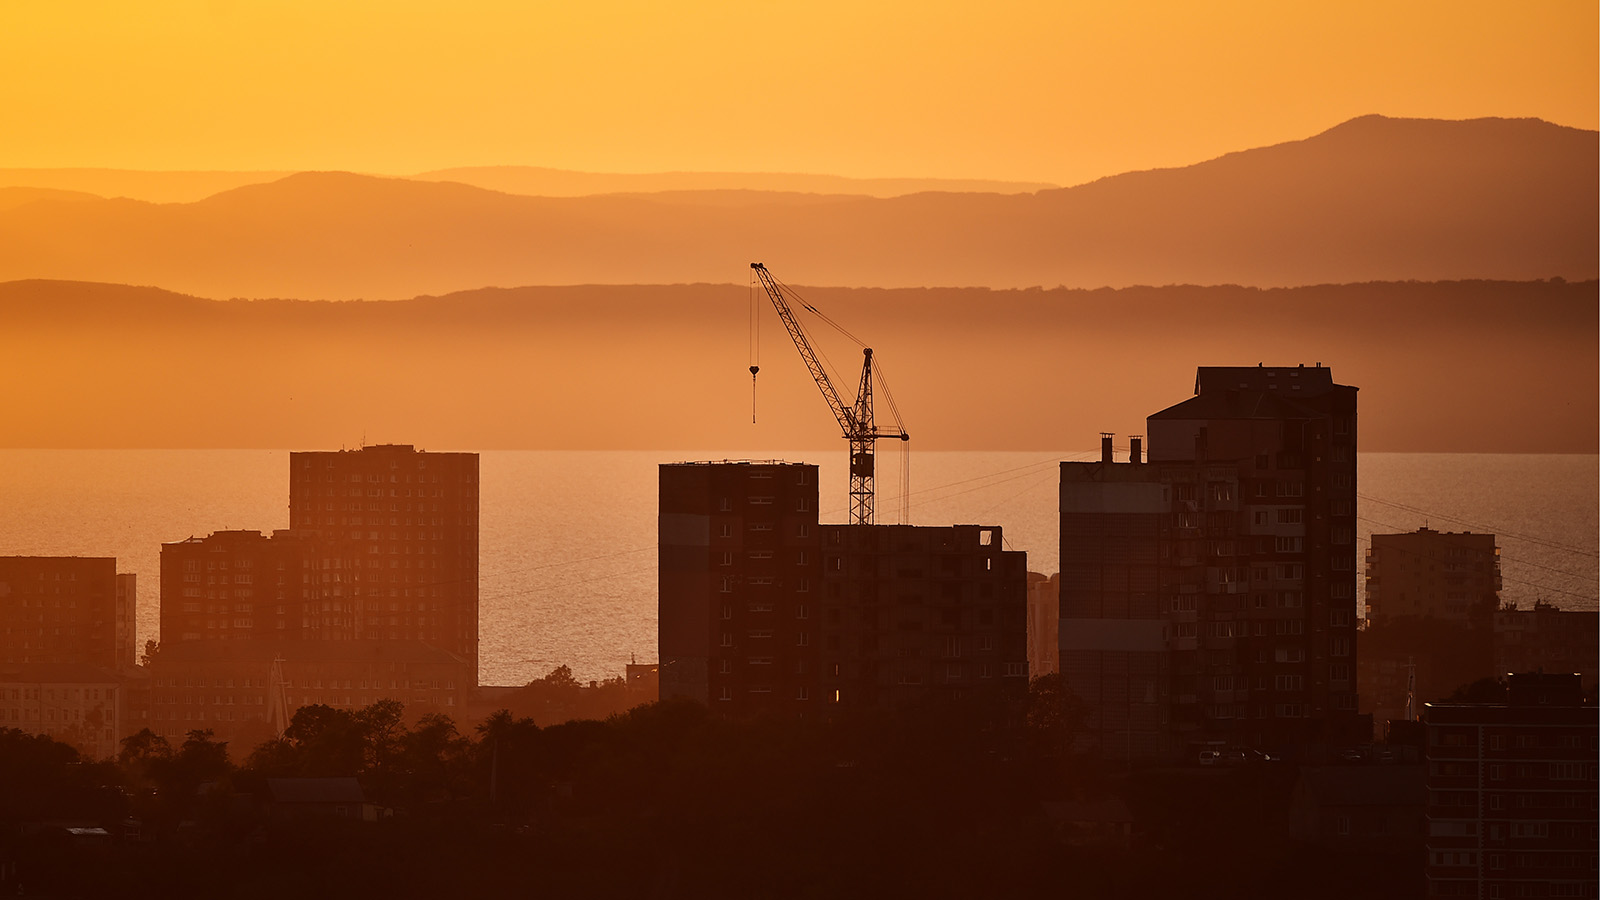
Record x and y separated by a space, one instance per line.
1016 670
1289 545
1291 516
1339 646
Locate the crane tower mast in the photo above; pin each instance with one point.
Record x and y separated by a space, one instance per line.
855 420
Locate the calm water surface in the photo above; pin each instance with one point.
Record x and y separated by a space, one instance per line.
568 554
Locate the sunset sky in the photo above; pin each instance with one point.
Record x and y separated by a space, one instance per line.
1051 91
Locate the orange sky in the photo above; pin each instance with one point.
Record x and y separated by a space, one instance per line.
1051 91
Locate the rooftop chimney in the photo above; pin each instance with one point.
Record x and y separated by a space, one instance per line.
1135 449
1105 446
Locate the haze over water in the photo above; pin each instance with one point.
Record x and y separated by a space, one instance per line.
568 539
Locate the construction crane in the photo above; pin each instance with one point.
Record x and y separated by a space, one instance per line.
855 420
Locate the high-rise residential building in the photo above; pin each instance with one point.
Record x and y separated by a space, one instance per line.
763 610
740 576
915 613
1445 576
397 536
241 585
1511 792
1208 595
65 609
127 623
1044 624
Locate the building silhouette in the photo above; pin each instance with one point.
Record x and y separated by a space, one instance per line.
1511 792
1445 576
740 574
1547 638
371 594
1208 594
1431 600
242 585
247 691
764 610
397 536
912 614
76 703
66 609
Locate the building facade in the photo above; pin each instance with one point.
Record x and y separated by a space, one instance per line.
396 530
241 585
912 614
739 582
1511 793
763 610
1208 595
247 691
64 609
1546 638
74 703
1445 576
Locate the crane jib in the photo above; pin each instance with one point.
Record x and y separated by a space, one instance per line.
855 420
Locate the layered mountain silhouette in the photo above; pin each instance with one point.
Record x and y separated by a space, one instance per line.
1446 366
1372 199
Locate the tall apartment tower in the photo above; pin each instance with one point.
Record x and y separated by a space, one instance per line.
397 530
739 581
1425 573
65 609
1208 595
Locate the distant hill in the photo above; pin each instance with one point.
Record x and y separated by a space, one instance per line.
1451 366
1372 199
151 187
13 197
538 182
188 187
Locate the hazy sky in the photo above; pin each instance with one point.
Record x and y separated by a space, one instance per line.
1052 91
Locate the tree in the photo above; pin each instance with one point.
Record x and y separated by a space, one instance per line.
140 748
1055 715
151 649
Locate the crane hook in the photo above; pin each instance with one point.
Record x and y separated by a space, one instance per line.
753 371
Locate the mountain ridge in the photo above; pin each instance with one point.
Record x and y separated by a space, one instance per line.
1370 199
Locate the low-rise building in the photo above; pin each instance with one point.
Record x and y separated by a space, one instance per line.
74 703
1546 638
248 691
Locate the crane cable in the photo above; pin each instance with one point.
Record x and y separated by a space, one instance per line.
755 346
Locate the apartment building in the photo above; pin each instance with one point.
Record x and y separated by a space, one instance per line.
739 582
912 614
1446 576
1208 594
65 609
1511 792
397 535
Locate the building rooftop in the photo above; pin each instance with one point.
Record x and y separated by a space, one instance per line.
1297 379
737 462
